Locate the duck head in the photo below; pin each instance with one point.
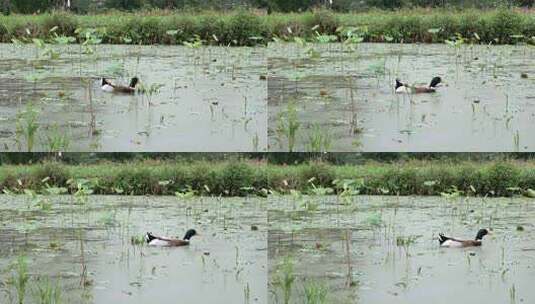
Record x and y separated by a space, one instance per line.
435 81
149 237
398 83
190 233
481 233
134 82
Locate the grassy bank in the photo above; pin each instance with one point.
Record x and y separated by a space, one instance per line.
236 178
245 28
502 178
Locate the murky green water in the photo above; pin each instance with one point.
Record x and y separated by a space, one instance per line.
226 263
348 97
212 98
382 269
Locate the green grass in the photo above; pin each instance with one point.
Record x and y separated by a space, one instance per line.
493 178
243 177
245 28
230 178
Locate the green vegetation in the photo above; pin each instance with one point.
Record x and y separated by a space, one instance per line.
414 177
185 178
84 6
497 26
20 278
48 292
227 178
285 278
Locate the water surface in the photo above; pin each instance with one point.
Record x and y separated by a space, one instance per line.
229 256
394 255
210 98
347 96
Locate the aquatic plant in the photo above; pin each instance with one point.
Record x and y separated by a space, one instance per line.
512 294
349 275
353 122
319 140
347 188
405 242
256 140
288 124
82 189
150 90
516 140
20 278
352 35
137 240
185 194
315 293
318 190
27 125
285 278
38 200
57 140
46 50
452 193
247 294
374 219
89 38
47 293
195 43
324 38
309 205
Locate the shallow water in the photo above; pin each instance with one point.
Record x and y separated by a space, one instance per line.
384 270
483 105
228 256
212 98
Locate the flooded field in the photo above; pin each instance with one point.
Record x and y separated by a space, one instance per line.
85 248
193 99
385 250
337 97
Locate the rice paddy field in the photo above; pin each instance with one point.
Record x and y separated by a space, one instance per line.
376 249
190 98
340 97
91 249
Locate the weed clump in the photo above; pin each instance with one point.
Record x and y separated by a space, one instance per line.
59 23
244 29
237 178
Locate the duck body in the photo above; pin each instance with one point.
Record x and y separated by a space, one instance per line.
449 242
403 88
108 87
153 240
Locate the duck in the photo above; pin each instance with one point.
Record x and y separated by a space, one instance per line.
107 86
456 243
153 240
405 88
